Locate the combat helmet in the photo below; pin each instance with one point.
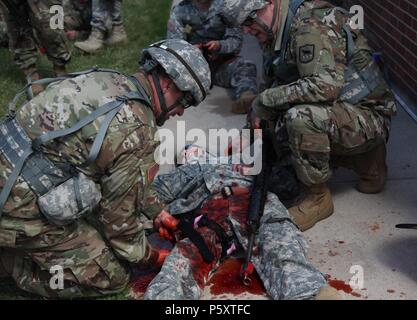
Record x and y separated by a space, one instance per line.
184 64
238 11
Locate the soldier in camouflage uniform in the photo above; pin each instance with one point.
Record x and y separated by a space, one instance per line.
106 26
95 252
200 23
326 82
24 17
280 260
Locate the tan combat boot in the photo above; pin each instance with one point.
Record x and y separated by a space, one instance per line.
372 170
117 35
94 42
328 293
59 70
243 104
32 74
317 206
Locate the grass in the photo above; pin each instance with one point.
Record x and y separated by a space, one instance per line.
145 22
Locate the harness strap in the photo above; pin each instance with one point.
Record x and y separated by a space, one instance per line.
195 237
212 225
294 6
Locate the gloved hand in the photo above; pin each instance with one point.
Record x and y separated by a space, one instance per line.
154 257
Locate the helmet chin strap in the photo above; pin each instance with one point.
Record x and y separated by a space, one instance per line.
162 117
265 27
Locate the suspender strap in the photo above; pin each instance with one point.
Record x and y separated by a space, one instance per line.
17 147
350 41
47 81
294 6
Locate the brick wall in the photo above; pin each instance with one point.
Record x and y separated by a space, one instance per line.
394 25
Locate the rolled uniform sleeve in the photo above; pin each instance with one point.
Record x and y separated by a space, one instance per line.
232 41
126 190
313 48
175 27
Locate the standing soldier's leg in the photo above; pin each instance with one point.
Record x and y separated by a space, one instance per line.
240 75
53 40
118 33
99 27
88 267
316 131
21 40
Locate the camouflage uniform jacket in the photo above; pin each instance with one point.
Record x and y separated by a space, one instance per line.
317 51
195 26
122 170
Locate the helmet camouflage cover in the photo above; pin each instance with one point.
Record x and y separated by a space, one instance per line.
237 11
184 64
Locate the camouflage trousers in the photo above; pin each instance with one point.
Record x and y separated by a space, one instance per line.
89 267
25 17
280 262
318 132
77 14
106 14
239 75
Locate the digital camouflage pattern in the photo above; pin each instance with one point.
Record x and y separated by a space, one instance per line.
77 14
24 18
88 249
318 123
281 259
196 26
106 14
183 78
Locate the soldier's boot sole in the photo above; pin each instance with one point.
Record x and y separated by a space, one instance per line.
315 208
373 171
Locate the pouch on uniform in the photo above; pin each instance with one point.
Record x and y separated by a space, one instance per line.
70 200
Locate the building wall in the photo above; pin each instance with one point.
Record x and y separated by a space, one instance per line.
394 26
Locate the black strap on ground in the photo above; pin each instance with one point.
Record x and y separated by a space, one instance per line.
406 226
212 225
195 237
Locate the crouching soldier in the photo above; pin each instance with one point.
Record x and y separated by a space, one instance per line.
327 83
200 22
86 145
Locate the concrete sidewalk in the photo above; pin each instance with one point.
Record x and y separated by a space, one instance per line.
360 238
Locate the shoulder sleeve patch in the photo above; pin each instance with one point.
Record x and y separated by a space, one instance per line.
306 53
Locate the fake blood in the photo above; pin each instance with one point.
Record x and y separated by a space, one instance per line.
227 279
141 283
342 286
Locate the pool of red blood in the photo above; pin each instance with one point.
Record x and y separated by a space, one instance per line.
227 280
